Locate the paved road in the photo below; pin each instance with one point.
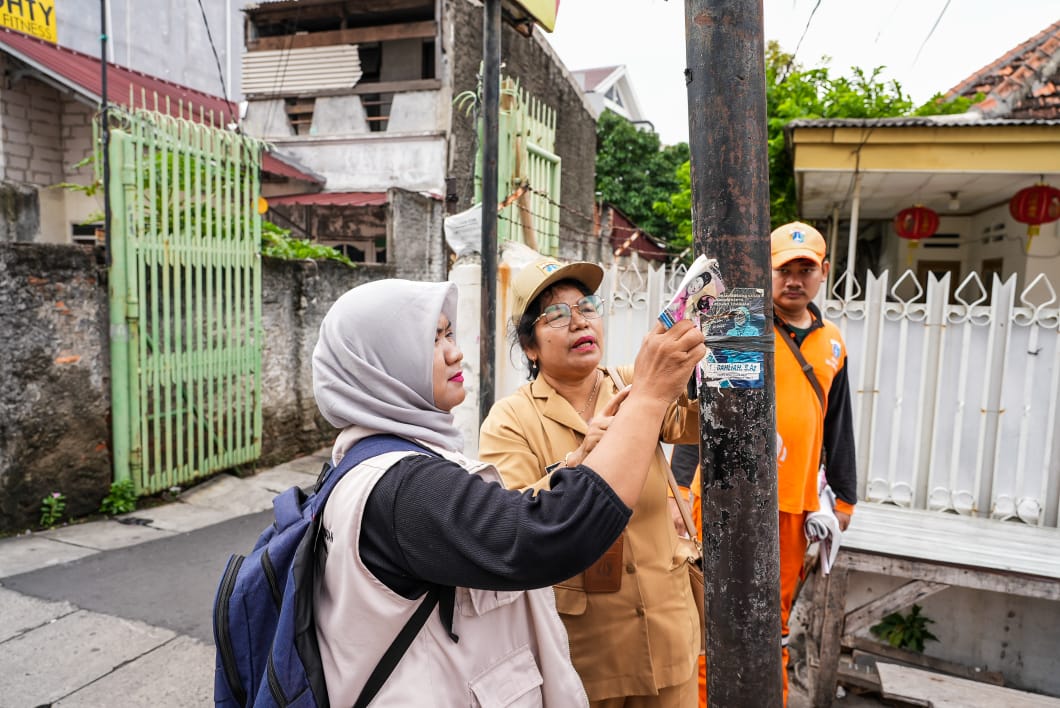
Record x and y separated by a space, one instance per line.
119 614
167 583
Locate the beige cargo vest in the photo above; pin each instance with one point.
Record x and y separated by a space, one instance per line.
513 648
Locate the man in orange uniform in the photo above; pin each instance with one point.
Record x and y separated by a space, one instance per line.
805 423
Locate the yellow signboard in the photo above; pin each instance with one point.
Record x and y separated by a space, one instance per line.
32 17
543 12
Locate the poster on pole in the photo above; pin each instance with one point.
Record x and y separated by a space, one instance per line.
33 17
736 314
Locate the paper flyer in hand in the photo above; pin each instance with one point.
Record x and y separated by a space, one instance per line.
822 527
695 294
736 313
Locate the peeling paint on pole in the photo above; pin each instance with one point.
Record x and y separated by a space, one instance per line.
730 220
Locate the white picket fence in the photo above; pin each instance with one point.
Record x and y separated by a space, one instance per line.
955 392
955 397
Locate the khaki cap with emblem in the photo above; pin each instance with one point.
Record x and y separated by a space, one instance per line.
543 272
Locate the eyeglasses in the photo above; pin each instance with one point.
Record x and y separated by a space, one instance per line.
559 314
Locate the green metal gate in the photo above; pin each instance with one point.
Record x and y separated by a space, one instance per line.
526 135
185 299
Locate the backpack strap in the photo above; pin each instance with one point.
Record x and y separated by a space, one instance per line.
397 648
364 450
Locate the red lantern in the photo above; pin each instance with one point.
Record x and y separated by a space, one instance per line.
916 223
1035 206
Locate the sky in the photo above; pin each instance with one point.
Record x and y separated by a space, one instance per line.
648 36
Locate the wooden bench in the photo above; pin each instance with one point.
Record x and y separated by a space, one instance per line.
917 687
932 551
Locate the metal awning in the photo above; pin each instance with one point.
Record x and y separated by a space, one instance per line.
900 161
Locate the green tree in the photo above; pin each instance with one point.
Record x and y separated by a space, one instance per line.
793 93
633 171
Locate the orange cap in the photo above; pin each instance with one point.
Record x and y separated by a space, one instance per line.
796 240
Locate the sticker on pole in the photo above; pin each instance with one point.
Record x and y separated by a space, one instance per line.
735 315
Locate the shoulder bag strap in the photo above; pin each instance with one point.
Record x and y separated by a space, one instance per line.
682 504
807 367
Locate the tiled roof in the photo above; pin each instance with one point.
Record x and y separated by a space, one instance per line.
81 73
626 238
961 120
134 89
280 165
334 199
1024 83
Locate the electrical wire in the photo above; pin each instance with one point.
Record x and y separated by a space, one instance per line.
805 29
217 60
931 31
281 66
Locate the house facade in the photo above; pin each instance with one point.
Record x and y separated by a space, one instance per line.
608 88
854 176
954 344
366 97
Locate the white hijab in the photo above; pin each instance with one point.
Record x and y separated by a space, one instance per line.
373 364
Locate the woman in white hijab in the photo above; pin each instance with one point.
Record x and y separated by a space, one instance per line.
407 523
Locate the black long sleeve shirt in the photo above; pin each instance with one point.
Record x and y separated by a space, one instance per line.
429 522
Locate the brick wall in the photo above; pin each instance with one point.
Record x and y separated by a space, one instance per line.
32 133
43 134
414 223
76 134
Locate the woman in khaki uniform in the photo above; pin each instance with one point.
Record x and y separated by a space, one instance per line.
631 618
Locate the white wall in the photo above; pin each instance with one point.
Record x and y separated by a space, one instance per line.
164 38
1044 256
987 235
369 162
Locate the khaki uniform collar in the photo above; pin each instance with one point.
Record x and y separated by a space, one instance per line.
558 408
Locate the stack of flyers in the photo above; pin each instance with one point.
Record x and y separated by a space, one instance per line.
695 294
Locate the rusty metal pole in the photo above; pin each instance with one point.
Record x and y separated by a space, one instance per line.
491 88
104 125
730 222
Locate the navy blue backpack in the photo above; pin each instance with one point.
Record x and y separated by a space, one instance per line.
264 629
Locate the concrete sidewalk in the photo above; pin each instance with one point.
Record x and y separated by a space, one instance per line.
118 612
151 647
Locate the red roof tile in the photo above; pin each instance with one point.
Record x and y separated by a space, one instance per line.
333 199
282 166
626 237
81 72
1023 83
134 89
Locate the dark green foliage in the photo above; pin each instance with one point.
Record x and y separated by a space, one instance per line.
120 500
795 93
51 509
633 171
277 243
905 631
